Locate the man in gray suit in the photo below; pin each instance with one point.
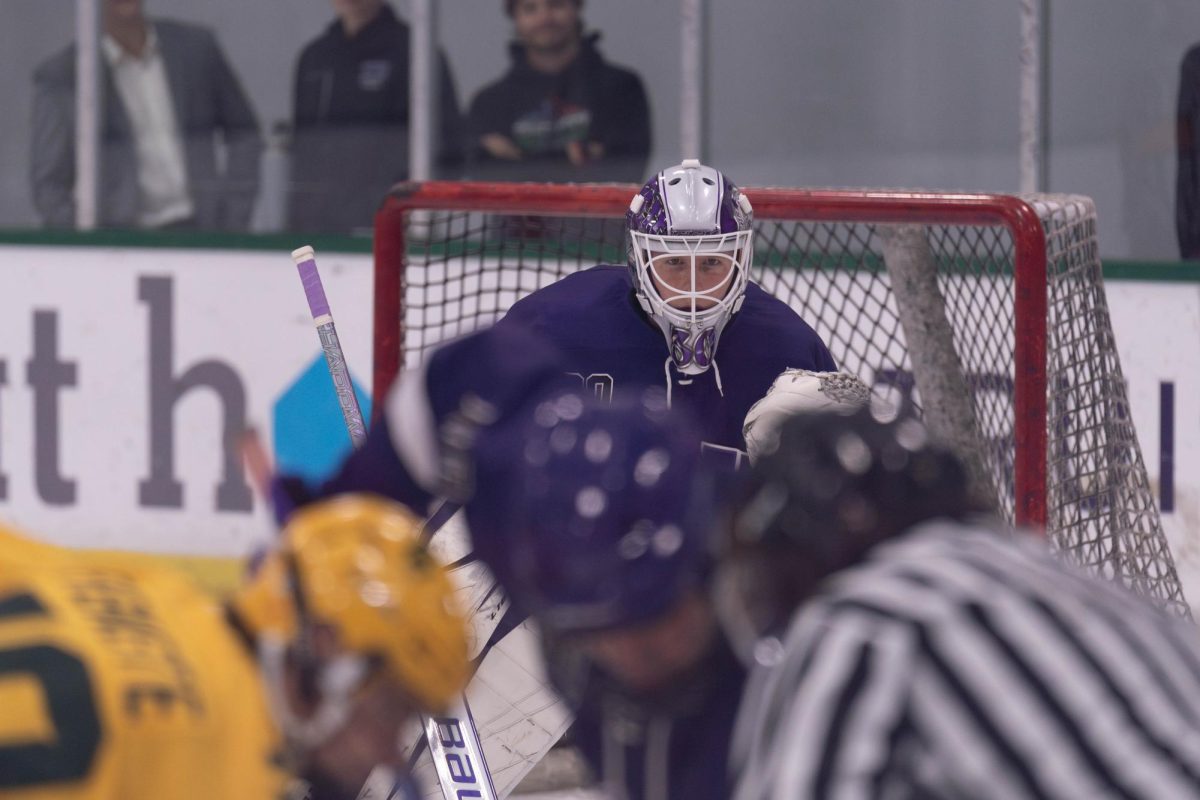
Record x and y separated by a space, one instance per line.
169 96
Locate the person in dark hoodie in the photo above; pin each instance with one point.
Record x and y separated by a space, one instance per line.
350 119
561 112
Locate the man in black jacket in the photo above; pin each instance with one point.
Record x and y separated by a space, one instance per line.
351 114
561 112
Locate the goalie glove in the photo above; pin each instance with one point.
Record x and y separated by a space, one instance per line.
798 391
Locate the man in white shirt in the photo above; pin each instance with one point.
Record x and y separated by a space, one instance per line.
141 81
169 97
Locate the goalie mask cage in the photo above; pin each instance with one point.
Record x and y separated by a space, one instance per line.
987 312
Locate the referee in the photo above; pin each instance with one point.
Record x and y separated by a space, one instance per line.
925 651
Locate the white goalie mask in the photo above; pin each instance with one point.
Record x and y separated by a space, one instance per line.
690 252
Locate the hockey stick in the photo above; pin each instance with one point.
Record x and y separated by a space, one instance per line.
453 740
314 292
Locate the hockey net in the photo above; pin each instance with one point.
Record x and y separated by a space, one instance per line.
959 304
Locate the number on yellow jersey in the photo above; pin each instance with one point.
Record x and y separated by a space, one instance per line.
122 680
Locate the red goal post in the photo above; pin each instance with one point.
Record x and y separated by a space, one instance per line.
1009 282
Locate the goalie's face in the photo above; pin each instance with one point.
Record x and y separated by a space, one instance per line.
688 278
684 279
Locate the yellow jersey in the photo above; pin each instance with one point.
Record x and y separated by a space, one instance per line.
120 679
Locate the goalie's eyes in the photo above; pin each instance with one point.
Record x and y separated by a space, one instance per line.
705 263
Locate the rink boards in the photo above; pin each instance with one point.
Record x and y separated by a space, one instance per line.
124 372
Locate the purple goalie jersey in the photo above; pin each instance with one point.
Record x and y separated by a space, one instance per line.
608 344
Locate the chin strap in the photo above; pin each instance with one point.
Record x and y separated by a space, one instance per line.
667 378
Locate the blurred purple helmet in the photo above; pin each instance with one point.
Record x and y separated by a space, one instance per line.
690 251
616 512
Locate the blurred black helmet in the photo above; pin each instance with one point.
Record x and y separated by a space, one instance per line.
837 484
839 478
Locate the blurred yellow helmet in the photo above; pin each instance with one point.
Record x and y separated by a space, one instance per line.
356 563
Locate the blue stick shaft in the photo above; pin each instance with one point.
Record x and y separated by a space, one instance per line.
342 384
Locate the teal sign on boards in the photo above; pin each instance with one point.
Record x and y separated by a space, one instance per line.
307 427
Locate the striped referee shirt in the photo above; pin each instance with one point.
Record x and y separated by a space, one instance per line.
959 662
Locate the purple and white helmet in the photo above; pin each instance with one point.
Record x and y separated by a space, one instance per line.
690 251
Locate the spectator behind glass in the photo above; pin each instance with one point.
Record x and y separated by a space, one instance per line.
168 94
351 116
561 112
